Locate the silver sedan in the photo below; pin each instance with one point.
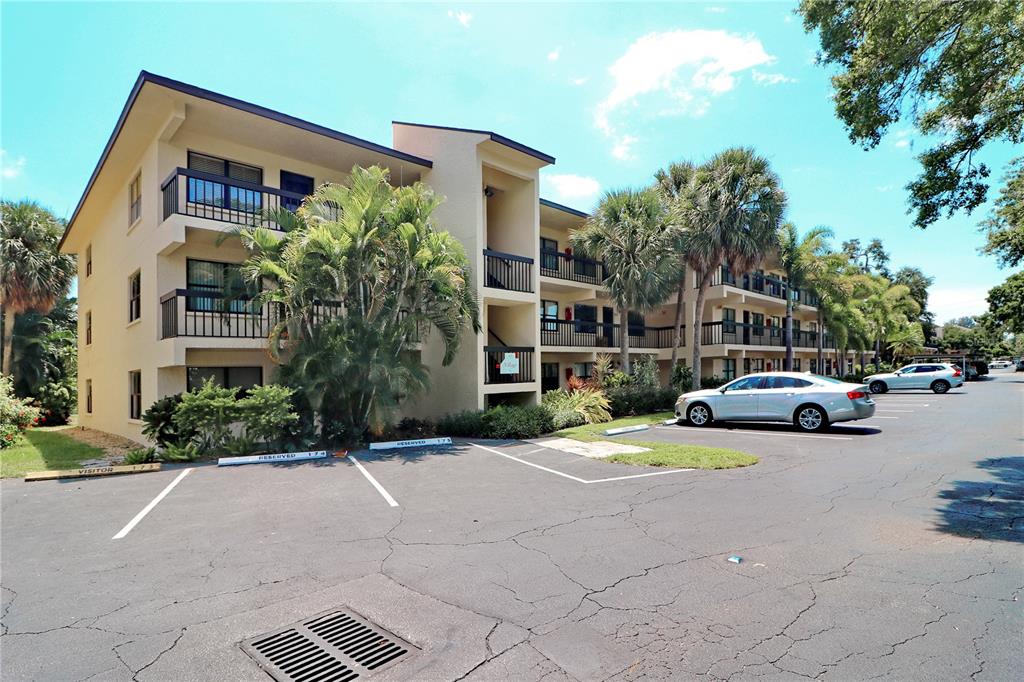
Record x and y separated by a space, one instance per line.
809 401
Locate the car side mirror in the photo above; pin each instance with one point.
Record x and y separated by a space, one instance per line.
722 390
899 374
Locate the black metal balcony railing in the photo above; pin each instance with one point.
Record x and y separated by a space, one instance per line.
215 197
508 271
738 333
762 284
572 268
585 334
210 314
494 355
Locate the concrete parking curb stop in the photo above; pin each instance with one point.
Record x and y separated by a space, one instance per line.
93 471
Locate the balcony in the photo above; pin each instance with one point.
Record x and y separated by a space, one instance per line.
586 334
740 334
494 356
571 268
215 197
508 271
212 315
762 284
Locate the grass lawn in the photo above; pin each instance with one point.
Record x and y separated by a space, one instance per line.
44 449
660 454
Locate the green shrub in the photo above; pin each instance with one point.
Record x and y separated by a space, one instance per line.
682 377
514 421
631 400
180 452
585 406
16 415
645 372
158 422
469 423
266 413
241 445
713 381
208 412
57 399
617 378
140 456
411 427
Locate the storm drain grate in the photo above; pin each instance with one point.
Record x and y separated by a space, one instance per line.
336 646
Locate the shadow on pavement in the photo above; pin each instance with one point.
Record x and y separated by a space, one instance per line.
835 429
990 509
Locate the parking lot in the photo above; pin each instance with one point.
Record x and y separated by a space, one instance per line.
889 547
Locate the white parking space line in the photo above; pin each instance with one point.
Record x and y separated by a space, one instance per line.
373 481
744 432
576 478
149 507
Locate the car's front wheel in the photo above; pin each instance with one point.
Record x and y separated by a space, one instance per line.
811 418
940 386
699 415
878 387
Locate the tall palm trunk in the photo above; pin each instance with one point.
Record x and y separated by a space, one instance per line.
678 336
624 340
821 342
878 350
698 323
8 356
788 366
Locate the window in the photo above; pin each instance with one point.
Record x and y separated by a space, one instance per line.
549 311
757 364
637 324
135 296
796 364
909 369
813 362
785 382
88 327
729 320
586 318
296 184
135 199
548 254
583 370
222 280
745 384
241 378
135 394
757 319
776 324
88 260
88 396
729 369
549 376
213 193
746 365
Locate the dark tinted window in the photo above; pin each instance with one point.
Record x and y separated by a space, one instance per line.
786 382
745 384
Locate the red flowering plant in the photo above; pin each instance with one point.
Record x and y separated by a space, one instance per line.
16 414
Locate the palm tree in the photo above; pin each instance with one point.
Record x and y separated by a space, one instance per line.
360 276
886 307
737 203
906 340
676 187
833 285
799 258
33 273
631 232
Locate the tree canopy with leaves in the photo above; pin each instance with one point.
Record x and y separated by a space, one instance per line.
1004 229
955 67
1006 303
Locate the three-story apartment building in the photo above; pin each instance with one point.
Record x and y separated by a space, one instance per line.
185 165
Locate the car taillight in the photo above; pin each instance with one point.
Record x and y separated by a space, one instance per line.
855 395
956 371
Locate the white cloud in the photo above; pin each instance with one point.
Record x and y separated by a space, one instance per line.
623 147
554 54
788 18
580 81
461 16
903 140
771 78
715 9
951 302
679 72
10 168
903 144
569 188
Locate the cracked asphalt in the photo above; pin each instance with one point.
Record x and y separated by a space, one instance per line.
892 549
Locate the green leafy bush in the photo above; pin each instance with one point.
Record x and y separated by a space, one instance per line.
16 414
241 445
617 378
266 413
469 423
57 399
517 422
180 452
140 456
158 422
631 400
682 377
645 372
208 412
575 408
713 381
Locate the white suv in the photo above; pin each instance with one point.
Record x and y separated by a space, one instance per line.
937 376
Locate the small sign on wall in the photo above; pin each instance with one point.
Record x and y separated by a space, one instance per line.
510 364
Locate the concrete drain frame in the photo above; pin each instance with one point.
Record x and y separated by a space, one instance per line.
333 646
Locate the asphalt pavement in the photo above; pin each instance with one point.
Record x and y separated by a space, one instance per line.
891 548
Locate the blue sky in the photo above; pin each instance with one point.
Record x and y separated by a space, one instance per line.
613 91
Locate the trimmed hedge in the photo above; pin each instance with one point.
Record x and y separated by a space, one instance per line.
633 400
498 422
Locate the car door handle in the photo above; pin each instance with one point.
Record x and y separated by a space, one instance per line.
791 394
